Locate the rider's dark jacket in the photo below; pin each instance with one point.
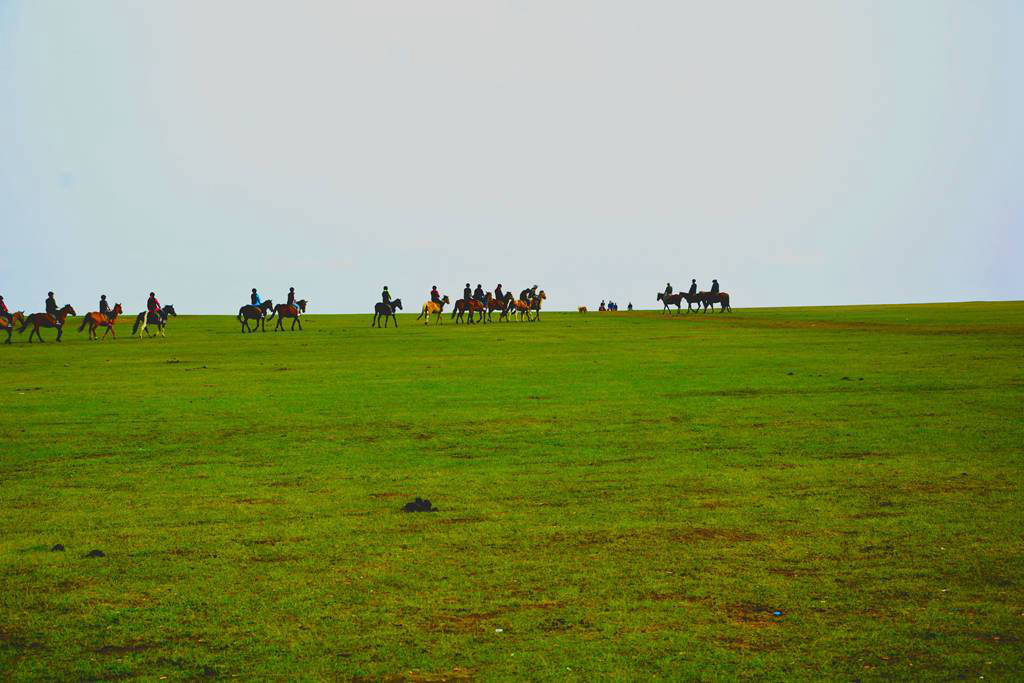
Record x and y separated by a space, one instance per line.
714 287
668 290
498 294
291 299
51 305
478 293
104 307
525 295
254 299
385 297
467 294
693 288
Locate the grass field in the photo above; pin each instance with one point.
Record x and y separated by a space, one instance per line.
620 495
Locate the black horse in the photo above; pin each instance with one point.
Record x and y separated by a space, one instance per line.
257 313
146 318
677 300
383 311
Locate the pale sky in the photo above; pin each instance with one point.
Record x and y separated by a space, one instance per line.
802 152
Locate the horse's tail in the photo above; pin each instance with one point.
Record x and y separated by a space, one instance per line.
138 321
455 309
25 324
85 321
239 316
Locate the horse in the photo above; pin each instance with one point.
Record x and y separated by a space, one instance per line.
383 311
712 298
522 308
462 305
582 309
431 308
257 313
535 305
143 320
502 305
16 319
289 311
37 320
677 300
95 319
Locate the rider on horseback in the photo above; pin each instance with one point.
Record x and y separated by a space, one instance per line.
52 308
693 286
254 298
385 296
152 307
4 313
104 306
498 294
435 296
467 293
292 301
714 286
478 293
668 289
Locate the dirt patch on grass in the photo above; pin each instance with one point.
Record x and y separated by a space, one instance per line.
697 534
753 616
744 644
124 649
389 496
416 676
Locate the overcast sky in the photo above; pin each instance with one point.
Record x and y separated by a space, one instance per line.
802 152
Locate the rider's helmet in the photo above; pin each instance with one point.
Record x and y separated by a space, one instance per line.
152 293
253 290
49 294
103 296
467 284
479 285
291 289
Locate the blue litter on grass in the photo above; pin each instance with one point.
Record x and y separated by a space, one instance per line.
777 613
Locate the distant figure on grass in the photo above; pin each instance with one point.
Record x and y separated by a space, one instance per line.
630 306
386 310
602 306
582 309
101 319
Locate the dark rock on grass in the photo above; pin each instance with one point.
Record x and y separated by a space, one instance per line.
95 553
59 548
419 505
209 672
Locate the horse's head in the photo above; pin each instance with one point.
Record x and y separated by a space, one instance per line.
267 305
117 309
543 295
661 296
169 310
68 310
302 304
18 317
396 303
446 299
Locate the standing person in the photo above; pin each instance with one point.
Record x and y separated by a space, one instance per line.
385 296
630 306
714 286
435 296
104 306
668 289
153 307
693 286
292 301
255 299
4 313
467 293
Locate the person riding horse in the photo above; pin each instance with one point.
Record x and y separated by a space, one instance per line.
693 287
254 298
668 289
498 294
385 296
714 286
4 313
52 308
478 293
467 293
292 301
104 306
435 296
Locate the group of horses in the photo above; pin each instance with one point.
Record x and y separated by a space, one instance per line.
93 320
472 311
705 299
266 311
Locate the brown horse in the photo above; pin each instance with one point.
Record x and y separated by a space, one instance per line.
712 298
677 301
472 306
503 305
16 319
535 305
430 308
37 320
95 319
257 313
288 311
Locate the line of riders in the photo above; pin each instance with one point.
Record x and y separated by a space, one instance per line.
55 316
475 306
706 299
261 311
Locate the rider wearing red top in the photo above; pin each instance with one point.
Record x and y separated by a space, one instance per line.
152 305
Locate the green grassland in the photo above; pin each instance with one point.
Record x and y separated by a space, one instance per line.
620 495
